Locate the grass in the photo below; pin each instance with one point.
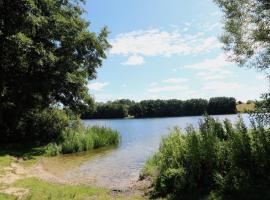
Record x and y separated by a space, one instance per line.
41 190
244 107
5 161
29 156
7 197
80 139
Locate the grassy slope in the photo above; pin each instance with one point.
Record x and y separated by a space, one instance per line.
245 107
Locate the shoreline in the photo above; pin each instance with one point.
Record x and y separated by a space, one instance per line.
16 171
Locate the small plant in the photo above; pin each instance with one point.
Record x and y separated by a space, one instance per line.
53 149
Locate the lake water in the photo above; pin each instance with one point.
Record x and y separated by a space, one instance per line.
119 167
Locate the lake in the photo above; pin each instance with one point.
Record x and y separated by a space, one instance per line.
119 167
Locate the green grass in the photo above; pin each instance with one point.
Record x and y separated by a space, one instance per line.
7 197
41 190
29 156
80 139
5 161
244 107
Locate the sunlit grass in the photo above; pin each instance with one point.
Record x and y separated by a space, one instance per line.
244 107
41 190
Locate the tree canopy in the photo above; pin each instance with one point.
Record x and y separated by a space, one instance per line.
247 32
161 108
246 38
47 55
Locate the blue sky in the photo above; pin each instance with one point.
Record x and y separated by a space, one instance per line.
165 49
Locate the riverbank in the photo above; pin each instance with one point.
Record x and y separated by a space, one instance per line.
27 179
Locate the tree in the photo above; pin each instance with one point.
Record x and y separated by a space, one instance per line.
247 31
221 105
247 37
47 55
110 110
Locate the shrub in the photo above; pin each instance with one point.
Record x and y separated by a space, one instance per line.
219 159
52 149
39 127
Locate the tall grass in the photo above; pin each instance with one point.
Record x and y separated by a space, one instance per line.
219 161
78 138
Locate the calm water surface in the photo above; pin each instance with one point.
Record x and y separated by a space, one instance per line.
119 167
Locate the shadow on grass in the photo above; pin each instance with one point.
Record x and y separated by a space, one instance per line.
24 152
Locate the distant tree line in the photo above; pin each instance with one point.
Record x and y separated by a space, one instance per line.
160 108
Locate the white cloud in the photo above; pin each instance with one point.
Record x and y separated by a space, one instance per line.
221 86
168 88
134 60
211 26
212 69
98 86
214 75
175 80
175 84
156 42
210 64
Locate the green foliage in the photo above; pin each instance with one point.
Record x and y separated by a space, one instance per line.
111 110
246 38
41 127
246 22
47 55
77 138
262 111
162 108
52 149
219 161
107 110
224 105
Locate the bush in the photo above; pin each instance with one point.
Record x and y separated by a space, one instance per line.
52 149
38 127
219 159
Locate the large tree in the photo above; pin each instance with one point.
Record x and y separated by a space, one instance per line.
246 38
47 55
247 32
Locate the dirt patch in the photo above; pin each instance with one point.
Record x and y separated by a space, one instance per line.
9 176
18 192
12 173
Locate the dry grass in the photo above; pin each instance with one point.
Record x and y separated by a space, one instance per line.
244 107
